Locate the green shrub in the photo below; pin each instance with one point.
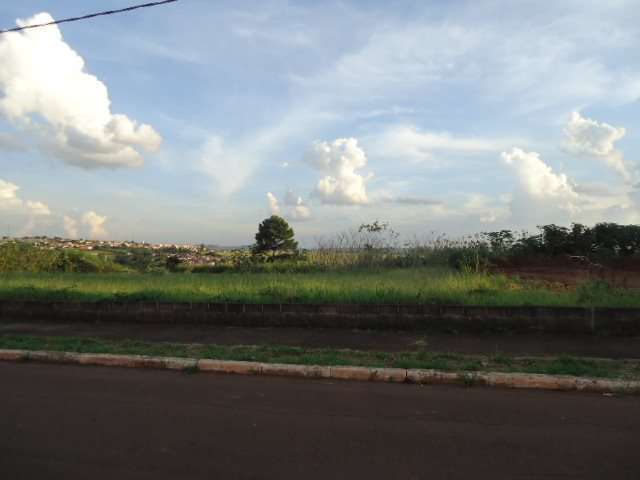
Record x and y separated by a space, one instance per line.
23 257
592 292
470 259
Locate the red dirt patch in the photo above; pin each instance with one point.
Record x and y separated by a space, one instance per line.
569 271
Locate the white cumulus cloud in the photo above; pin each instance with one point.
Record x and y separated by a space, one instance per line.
536 177
48 93
339 161
70 226
9 195
38 208
293 207
589 137
298 210
300 213
96 224
274 206
10 201
542 195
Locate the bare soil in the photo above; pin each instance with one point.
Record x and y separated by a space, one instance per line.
570 271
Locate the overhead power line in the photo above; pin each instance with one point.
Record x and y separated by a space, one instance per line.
85 17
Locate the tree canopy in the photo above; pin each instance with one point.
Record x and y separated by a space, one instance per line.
275 234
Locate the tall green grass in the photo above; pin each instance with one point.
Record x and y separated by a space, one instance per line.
407 285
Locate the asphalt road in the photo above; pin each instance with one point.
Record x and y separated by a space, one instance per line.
71 422
516 344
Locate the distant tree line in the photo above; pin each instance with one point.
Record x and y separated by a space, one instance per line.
373 245
603 243
604 240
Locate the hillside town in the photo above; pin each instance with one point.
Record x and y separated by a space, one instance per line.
186 254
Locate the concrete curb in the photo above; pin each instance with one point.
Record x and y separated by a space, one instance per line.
389 375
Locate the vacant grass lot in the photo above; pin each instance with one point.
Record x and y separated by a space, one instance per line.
564 365
408 286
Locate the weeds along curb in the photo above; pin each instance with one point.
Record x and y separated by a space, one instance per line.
389 375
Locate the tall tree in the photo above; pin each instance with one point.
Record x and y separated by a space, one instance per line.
275 234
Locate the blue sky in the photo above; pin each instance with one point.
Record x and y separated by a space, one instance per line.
192 122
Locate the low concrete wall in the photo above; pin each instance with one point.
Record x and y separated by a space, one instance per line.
609 321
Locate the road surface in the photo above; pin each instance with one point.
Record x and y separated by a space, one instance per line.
74 422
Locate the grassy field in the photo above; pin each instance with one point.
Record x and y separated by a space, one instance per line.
407 286
563 365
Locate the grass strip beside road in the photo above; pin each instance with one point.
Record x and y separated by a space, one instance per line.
562 365
433 286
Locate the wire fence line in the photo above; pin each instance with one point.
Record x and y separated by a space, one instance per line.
86 17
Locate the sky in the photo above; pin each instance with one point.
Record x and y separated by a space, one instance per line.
192 122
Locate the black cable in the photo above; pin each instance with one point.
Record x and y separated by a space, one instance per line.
85 17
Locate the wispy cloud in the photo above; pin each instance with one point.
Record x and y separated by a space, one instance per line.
409 143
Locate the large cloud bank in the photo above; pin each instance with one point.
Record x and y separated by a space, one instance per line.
339 161
46 92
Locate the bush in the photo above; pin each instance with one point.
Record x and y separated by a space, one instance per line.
591 292
470 259
23 257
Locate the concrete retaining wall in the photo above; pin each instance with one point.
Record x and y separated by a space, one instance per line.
609 321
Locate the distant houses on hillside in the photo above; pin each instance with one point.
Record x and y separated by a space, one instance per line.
187 254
